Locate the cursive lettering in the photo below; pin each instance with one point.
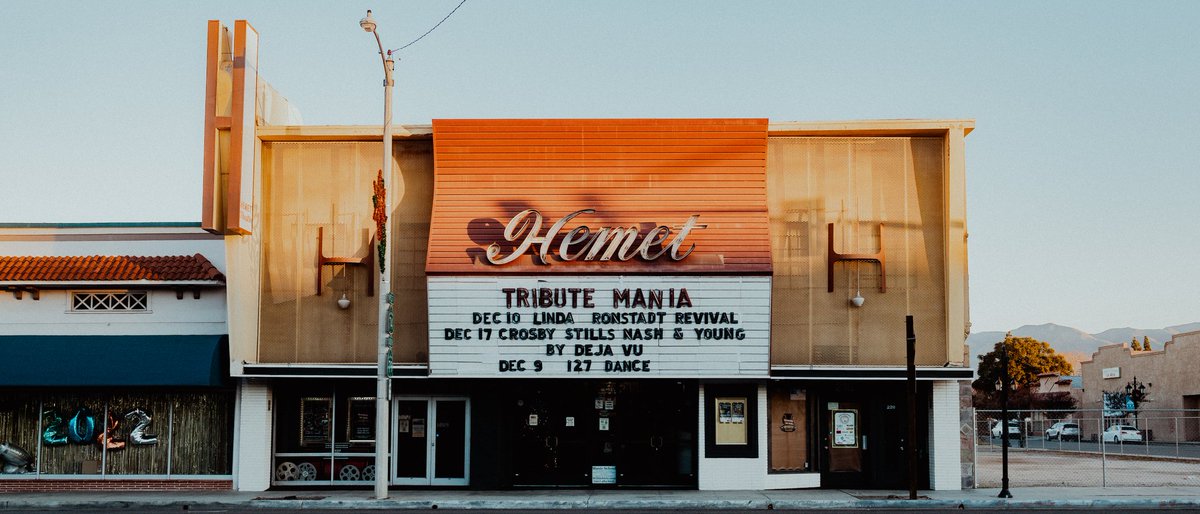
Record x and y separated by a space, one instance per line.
602 244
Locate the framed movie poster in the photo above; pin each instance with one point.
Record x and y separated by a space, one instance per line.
315 414
404 423
731 421
360 419
845 428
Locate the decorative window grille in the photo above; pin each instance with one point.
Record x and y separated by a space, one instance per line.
115 302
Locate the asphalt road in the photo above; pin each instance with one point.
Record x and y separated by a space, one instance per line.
1154 448
622 511
1036 467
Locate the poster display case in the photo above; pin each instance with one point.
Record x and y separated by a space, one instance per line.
731 420
324 437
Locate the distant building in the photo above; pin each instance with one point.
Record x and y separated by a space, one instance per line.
1050 386
1053 383
1172 385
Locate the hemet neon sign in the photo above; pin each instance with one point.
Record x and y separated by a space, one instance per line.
582 244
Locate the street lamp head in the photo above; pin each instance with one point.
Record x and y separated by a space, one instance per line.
1128 388
368 23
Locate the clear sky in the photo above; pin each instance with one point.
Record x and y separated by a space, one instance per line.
1083 171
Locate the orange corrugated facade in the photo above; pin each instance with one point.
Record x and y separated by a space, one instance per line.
632 172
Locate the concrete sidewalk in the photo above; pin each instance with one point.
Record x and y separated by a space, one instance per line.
1042 497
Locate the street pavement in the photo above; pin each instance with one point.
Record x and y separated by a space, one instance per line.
1186 449
1062 498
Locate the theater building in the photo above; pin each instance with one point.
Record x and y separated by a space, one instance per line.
691 303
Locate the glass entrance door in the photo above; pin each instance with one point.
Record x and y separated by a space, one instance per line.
864 436
450 442
431 441
844 444
586 433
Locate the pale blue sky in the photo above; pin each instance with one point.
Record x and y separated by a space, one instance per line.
1083 171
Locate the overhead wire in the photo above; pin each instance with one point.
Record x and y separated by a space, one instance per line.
427 32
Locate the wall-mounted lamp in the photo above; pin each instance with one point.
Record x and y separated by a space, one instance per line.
343 302
858 299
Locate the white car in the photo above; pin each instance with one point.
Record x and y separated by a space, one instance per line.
1122 433
1063 431
1014 429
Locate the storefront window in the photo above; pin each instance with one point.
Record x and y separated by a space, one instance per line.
787 412
324 435
18 435
118 434
193 416
147 451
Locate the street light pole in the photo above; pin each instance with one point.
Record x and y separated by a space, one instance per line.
382 380
1136 392
1004 492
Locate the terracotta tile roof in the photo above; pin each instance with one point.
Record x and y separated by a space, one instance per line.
106 268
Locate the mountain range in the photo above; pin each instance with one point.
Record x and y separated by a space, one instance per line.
1074 344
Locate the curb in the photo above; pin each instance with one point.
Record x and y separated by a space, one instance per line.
609 504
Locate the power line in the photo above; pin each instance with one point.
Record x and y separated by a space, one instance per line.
411 43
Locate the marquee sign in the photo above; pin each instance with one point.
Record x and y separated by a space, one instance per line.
599 326
612 196
580 243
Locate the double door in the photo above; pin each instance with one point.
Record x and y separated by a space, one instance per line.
431 440
603 434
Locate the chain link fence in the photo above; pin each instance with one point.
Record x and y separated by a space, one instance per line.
1089 448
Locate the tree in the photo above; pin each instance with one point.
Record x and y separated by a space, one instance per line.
1054 403
1145 343
1133 343
1027 358
1114 403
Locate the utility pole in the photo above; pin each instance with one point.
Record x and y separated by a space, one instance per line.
911 446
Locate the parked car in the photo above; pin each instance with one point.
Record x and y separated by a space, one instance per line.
1063 431
1014 429
1122 433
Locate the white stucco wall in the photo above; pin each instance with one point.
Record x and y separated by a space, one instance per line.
252 437
167 315
945 472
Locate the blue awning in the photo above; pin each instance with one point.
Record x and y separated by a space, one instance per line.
86 360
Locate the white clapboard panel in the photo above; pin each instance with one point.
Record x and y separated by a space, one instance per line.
599 326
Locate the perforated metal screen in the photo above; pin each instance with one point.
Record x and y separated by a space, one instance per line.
857 184
327 186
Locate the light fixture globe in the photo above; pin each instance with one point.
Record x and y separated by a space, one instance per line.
858 299
368 23
343 302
